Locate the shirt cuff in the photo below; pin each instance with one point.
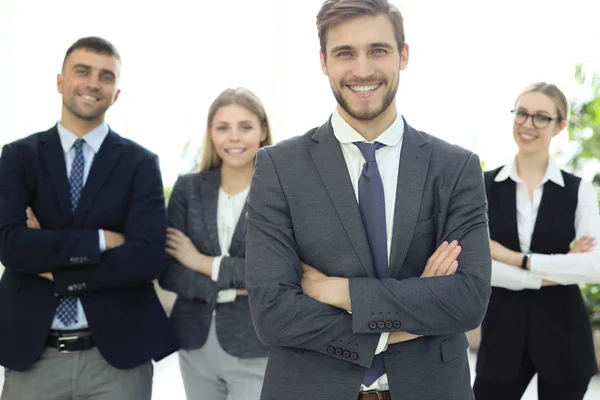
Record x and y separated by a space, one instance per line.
226 296
102 240
216 267
383 343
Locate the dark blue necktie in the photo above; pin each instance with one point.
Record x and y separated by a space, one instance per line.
67 308
371 203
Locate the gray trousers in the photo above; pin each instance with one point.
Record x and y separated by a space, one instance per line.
210 373
77 376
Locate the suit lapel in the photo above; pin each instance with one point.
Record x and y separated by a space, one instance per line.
331 166
412 173
209 199
53 158
239 235
102 165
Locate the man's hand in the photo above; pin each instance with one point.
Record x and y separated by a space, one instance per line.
443 261
181 248
47 275
325 289
399 337
241 292
31 221
113 239
583 245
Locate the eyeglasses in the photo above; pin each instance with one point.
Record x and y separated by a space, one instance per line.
539 121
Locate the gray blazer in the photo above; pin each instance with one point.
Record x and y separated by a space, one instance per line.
302 207
193 210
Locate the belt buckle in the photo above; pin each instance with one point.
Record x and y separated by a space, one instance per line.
62 341
375 392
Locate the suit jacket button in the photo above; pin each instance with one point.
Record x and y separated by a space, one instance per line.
353 356
330 349
389 324
70 288
72 260
397 324
381 324
346 354
338 352
373 325
83 286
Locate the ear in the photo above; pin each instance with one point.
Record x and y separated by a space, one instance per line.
560 127
116 96
323 63
263 135
404 57
59 80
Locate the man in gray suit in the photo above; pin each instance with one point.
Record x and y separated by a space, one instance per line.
355 274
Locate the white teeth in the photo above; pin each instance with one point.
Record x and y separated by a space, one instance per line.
88 97
527 137
364 89
235 151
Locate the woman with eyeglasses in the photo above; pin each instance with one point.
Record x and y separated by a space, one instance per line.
543 223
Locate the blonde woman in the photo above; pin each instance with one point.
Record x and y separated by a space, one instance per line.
221 356
536 320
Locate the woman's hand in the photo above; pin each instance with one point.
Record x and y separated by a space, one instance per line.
181 248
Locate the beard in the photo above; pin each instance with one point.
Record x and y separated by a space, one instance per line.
87 115
366 115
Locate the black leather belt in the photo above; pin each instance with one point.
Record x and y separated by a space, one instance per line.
70 341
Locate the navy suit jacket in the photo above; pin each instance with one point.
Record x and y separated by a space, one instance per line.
123 193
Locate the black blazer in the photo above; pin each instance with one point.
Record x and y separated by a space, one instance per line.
123 193
552 323
193 210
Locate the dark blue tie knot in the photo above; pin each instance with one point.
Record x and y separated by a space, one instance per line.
368 149
78 143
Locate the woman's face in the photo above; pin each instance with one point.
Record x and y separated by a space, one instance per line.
536 122
236 134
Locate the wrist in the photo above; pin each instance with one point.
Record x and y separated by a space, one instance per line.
516 259
337 292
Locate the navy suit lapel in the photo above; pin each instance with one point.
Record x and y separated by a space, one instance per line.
209 199
53 158
331 166
412 173
102 165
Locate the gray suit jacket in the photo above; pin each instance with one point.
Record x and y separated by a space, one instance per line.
302 207
193 210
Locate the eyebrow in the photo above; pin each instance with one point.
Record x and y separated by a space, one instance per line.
239 122
89 67
346 47
537 112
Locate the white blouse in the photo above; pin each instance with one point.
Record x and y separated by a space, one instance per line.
229 209
564 269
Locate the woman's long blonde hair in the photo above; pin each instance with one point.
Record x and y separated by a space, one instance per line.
239 96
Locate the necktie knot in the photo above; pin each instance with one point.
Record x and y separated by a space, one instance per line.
368 149
78 143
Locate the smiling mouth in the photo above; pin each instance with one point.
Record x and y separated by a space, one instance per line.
364 89
527 137
89 98
234 151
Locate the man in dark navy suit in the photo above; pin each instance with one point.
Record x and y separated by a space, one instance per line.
82 237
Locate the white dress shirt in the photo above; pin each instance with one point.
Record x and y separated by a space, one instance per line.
93 140
229 209
388 160
564 269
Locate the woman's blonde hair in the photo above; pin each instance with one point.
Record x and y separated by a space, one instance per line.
241 97
554 93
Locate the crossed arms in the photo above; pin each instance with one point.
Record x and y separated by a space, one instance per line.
284 315
73 255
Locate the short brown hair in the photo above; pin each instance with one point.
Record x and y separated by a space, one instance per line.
95 44
334 12
554 93
241 97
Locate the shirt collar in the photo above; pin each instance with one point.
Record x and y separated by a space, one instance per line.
93 138
344 133
510 171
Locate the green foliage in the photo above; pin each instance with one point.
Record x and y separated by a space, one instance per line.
168 190
591 296
584 124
